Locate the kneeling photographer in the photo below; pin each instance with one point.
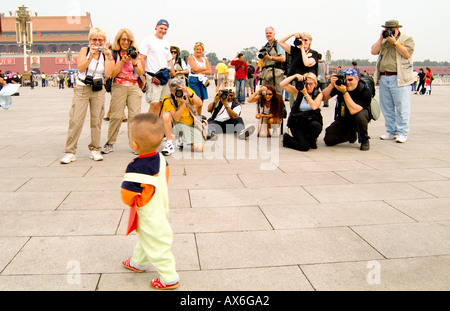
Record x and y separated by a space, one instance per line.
180 116
305 119
225 117
351 112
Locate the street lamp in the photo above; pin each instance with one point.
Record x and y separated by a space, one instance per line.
24 31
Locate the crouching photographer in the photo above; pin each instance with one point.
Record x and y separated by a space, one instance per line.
305 119
225 117
351 112
180 117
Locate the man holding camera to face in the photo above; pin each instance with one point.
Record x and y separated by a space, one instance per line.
351 112
225 117
394 73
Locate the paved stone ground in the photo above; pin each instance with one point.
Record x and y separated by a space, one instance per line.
246 216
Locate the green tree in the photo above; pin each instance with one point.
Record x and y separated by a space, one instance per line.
250 54
212 59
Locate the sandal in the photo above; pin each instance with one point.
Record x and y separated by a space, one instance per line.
127 264
158 284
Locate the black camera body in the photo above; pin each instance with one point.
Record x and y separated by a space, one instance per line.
179 92
388 32
262 52
299 85
97 84
131 51
224 94
341 79
298 41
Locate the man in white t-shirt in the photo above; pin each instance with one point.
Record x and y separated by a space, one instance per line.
155 55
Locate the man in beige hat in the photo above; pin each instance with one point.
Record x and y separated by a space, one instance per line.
394 73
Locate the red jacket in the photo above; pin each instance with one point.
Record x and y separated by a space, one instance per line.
241 69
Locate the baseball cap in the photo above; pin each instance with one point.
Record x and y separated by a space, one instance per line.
163 22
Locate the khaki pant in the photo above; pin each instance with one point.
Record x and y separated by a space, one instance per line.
123 96
83 96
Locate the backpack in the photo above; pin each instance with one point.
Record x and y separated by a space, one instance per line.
374 111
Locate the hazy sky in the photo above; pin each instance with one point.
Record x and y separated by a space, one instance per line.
346 27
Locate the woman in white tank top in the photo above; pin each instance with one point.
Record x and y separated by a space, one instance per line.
198 69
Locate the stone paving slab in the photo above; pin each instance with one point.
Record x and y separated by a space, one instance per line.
246 215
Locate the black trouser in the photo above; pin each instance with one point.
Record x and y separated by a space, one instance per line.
421 83
228 126
302 136
344 129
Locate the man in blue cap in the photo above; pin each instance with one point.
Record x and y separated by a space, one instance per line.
351 112
155 55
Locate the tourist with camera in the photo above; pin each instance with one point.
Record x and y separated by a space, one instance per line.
394 73
270 110
199 68
180 117
125 90
226 111
351 111
305 119
272 57
94 62
241 76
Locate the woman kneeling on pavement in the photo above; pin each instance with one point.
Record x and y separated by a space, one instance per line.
93 62
125 90
305 120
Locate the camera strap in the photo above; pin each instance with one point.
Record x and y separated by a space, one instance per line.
95 70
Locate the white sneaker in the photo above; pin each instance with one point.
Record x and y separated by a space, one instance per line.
107 148
401 138
179 142
168 149
68 158
96 156
388 136
248 131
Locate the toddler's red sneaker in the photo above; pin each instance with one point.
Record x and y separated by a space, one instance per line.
127 264
158 284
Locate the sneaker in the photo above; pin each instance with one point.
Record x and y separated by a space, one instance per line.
401 138
248 131
68 157
127 264
96 156
158 284
106 119
388 136
168 149
107 148
179 142
365 145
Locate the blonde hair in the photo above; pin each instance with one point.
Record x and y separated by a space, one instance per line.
116 45
311 76
199 44
95 31
307 35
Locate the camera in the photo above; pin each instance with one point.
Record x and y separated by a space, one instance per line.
262 52
300 85
131 51
224 94
100 49
298 41
178 92
388 32
263 93
341 79
97 84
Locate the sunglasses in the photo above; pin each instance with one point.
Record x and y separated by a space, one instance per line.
269 94
125 40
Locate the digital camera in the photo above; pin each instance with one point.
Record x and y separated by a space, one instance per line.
298 41
388 32
262 52
300 85
224 94
178 92
341 79
131 51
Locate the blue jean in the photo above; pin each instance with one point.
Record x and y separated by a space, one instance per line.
395 103
240 90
